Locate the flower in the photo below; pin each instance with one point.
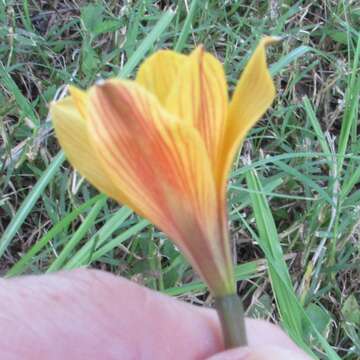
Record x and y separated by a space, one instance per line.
164 144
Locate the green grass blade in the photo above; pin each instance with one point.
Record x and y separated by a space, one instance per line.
29 202
293 315
21 101
245 271
78 235
351 108
27 18
305 180
316 125
288 59
187 27
114 243
147 43
100 237
92 252
25 261
349 185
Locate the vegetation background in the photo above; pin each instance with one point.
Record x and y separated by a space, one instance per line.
294 194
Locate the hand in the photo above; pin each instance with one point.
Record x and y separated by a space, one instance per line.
89 314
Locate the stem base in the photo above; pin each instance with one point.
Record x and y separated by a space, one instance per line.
231 314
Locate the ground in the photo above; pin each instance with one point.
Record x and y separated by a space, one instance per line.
295 182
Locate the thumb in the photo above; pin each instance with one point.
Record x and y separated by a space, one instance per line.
263 353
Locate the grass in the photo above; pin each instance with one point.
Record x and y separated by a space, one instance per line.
294 195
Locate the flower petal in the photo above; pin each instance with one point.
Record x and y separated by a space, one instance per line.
253 95
162 166
158 72
79 98
71 131
199 97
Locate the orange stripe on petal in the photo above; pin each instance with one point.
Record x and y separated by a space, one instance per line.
199 97
158 72
162 166
71 131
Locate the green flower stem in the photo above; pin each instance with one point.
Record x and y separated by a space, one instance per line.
231 314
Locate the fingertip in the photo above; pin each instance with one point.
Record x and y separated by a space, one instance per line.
264 353
234 354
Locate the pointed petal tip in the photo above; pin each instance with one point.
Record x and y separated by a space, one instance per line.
52 104
59 104
76 92
270 40
79 97
158 72
253 95
199 51
199 97
73 89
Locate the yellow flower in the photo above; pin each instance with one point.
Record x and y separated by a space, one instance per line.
164 143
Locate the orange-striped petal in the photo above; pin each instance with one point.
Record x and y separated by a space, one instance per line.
253 95
71 131
199 97
163 167
159 71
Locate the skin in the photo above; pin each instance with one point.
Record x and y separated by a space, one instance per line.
90 314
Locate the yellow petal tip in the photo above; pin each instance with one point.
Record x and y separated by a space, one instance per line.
270 40
79 97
